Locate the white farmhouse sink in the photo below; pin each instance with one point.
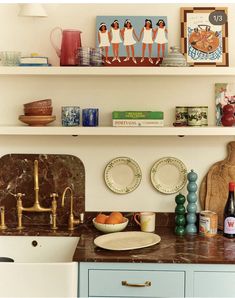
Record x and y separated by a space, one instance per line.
42 267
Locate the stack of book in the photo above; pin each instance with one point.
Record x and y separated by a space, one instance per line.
138 118
34 61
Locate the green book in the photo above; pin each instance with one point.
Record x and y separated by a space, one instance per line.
137 122
138 115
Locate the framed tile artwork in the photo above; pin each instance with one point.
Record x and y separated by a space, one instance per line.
132 40
204 35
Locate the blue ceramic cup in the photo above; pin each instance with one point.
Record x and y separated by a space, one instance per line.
90 117
70 116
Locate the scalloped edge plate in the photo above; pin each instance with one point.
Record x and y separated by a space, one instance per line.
156 179
114 186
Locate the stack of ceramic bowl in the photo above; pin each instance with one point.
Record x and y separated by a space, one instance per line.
38 113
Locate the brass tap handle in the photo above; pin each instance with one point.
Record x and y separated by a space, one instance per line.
19 206
54 196
54 202
81 217
53 209
2 225
19 195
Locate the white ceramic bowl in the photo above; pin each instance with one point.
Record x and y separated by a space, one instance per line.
111 228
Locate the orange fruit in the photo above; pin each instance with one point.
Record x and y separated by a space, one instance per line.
118 216
112 220
101 218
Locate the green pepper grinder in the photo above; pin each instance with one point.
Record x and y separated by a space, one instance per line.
180 215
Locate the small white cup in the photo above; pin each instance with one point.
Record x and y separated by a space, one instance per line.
146 221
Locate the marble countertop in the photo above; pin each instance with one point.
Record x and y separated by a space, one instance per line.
172 249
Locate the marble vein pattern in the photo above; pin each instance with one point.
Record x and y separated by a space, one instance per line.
55 173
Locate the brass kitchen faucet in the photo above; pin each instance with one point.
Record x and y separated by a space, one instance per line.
72 221
36 206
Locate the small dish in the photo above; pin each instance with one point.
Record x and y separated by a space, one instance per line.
127 240
122 175
37 120
111 228
168 175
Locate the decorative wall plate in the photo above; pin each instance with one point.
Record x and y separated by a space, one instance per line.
168 175
122 175
127 240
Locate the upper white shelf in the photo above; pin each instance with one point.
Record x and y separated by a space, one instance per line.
117 71
116 131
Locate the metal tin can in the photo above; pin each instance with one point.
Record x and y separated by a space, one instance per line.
194 116
204 113
181 115
208 223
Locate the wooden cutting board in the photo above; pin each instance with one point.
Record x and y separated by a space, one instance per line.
213 192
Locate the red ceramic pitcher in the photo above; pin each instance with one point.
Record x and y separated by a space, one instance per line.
71 41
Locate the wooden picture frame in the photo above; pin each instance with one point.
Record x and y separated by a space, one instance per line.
204 35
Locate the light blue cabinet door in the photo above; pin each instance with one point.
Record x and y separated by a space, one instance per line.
214 284
119 283
167 280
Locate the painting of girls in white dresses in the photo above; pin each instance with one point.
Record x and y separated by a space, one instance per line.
132 41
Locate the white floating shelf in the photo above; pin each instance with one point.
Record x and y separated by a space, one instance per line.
116 131
117 71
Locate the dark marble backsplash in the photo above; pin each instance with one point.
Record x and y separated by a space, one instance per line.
55 173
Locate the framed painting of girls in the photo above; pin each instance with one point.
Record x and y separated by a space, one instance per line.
132 40
204 36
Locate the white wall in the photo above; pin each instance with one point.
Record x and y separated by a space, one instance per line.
32 35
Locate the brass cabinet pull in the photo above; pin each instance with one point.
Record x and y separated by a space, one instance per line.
127 284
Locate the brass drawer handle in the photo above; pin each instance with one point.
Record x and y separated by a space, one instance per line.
146 284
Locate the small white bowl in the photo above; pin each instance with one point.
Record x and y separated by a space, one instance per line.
111 228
